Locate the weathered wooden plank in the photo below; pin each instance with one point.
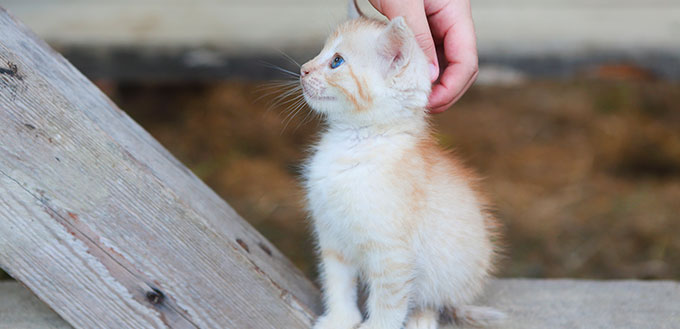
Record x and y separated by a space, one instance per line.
104 225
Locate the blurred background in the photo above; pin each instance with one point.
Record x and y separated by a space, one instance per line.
574 121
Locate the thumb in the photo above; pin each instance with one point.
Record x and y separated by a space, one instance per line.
414 14
417 21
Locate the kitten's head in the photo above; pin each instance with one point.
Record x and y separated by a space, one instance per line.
368 72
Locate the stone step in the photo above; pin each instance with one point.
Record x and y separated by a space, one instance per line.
529 303
538 37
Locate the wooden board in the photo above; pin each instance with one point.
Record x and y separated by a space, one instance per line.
107 227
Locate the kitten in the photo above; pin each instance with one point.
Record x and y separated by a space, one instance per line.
387 205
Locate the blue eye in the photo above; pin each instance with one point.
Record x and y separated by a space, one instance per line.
337 61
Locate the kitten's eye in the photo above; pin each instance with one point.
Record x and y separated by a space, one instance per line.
337 61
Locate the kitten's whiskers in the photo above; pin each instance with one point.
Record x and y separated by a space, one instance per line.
288 93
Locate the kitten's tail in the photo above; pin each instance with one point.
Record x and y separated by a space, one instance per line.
476 316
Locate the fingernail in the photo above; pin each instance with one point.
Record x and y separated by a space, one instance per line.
433 72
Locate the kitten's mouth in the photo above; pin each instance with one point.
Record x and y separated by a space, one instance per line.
320 98
314 94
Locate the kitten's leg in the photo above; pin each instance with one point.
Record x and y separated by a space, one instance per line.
389 274
423 319
339 281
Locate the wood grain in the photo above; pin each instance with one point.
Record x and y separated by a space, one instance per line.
107 227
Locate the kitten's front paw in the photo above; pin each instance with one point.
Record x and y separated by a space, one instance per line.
365 326
374 325
338 321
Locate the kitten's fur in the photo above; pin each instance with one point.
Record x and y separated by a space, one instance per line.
387 204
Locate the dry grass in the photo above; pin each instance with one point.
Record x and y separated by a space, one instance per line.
585 174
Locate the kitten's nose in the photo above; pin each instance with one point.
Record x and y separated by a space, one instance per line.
304 70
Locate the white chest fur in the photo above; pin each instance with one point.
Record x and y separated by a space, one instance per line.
351 187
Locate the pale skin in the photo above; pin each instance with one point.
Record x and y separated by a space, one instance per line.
446 33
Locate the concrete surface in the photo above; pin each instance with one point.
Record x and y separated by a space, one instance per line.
511 27
20 309
583 304
207 38
530 304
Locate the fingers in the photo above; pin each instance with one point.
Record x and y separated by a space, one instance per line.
450 22
414 14
441 99
455 25
421 30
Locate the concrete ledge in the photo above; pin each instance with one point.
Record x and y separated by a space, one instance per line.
517 27
199 39
20 309
541 304
530 304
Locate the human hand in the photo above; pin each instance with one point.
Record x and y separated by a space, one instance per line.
446 33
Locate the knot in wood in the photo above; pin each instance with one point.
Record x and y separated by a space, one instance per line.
243 245
155 296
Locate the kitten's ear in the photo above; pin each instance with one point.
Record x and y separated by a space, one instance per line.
395 43
353 11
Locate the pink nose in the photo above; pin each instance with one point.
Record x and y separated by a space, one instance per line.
304 71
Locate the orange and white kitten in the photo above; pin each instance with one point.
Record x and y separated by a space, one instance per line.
388 205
